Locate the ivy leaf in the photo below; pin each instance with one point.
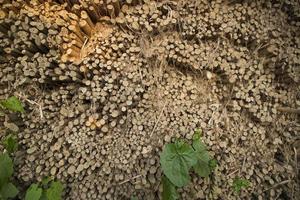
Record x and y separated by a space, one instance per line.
202 168
176 161
198 145
169 190
6 168
239 184
8 190
10 143
55 191
33 192
12 104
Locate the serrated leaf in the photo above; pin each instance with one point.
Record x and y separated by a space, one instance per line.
198 145
8 190
239 184
55 191
176 161
33 192
12 104
201 151
202 168
169 190
10 143
6 168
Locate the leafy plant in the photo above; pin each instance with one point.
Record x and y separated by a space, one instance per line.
12 104
34 192
202 167
47 190
239 184
213 163
54 192
10 143
169 190
177 159
7 189
133 198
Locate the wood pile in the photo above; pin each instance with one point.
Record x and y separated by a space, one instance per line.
107 83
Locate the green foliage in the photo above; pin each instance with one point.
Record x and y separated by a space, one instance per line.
176 161
133 198
46 181
49 190
10 143
12 104
178 158
197 134
55 191
7 189
239 184
6 168
34 192
213 163
169 190
204 162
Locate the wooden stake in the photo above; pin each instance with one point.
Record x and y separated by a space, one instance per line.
86 27
111 11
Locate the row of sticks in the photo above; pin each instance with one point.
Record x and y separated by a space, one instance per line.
98 8
91 12
81 18
95 9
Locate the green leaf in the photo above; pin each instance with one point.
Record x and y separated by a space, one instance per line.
176 161
169 190
197 134
44 196
198 145
10 143
239 184
213 164
134 198
12 104
33 192
55 191
46 180
202 168
8 190
6 168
